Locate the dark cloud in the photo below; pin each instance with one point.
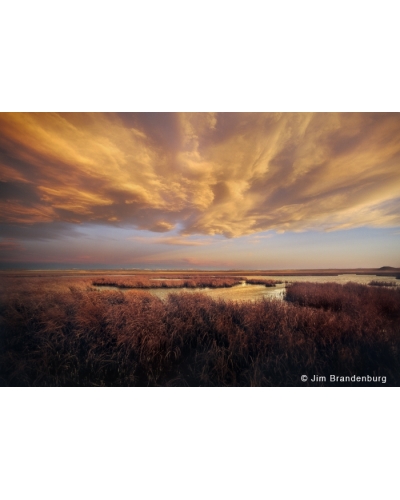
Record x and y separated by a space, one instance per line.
40 231
162 129
21 191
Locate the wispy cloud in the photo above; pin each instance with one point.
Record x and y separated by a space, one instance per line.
11 250
229 174
172 240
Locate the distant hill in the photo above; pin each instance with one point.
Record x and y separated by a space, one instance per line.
385 268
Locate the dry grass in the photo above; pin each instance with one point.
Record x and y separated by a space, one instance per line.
267 283
352 298
382 283
68 334
144 282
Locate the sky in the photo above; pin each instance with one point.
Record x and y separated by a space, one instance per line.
199 190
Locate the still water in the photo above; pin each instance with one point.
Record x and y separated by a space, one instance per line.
244 292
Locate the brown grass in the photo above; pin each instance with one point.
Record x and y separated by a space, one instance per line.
68 334
352 298
145 282
267 283
382 283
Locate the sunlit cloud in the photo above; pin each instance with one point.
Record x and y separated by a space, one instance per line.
161 227
206 173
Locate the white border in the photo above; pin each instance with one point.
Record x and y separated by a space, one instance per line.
199 56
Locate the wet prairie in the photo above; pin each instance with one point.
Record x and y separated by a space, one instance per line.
67 332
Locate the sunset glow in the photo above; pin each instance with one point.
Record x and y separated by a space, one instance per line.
201 190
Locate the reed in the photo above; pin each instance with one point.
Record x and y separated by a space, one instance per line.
69 334
382 283
144 282
267 283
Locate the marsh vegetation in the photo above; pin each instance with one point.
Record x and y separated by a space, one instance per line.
146 282
267 283
382 283
70 334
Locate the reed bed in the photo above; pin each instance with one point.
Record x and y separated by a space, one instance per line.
73 335
382 283
191 276
143 282
267 283
353 299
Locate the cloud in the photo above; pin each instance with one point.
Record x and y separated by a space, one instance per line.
210 173
8 244
10 249
173 240
161 227
204 263
42 231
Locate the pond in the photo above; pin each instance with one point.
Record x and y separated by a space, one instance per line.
244 292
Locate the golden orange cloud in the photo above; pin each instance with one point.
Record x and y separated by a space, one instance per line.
211 173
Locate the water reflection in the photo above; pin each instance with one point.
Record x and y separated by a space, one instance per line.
239 292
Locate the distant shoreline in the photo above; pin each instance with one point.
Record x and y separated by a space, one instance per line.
383 271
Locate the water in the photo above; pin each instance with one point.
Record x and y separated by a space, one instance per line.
341 278
240 292
244 292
